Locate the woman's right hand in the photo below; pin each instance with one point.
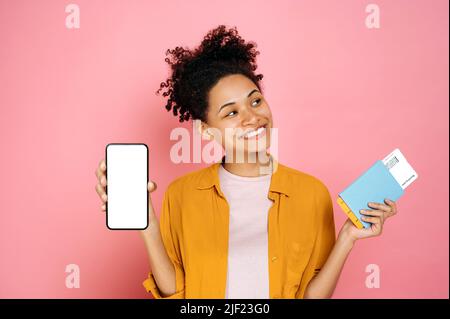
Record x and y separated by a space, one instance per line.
162 267
101 191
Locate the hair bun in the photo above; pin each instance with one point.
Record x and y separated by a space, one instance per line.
222 44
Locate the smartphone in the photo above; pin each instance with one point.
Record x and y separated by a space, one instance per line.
126 189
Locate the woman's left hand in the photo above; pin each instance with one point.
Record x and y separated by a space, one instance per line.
376 216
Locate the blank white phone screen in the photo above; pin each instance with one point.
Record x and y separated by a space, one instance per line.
127 177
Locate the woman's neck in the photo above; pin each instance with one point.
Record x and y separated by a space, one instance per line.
262 166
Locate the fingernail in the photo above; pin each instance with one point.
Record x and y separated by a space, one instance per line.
362 211
104 197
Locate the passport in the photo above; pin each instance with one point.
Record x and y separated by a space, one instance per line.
385 179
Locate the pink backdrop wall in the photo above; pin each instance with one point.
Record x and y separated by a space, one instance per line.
343 96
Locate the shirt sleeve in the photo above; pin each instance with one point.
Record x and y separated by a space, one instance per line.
171 243
325 238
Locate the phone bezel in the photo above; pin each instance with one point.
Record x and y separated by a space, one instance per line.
106 187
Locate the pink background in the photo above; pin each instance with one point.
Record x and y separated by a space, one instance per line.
342 95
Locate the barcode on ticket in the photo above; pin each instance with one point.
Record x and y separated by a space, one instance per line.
391 162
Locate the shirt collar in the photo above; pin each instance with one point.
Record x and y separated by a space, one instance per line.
278 182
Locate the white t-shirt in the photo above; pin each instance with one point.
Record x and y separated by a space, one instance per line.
248 268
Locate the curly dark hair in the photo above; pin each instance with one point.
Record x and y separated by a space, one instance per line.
194 72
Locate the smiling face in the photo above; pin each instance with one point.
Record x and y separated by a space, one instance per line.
238 116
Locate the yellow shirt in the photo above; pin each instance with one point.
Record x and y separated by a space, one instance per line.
194 228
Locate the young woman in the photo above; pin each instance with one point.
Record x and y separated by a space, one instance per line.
244 227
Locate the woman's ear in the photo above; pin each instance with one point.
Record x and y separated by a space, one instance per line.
207 134
203 130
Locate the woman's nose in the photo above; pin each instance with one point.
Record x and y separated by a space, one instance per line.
249 117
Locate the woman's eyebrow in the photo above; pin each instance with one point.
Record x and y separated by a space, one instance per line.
232 102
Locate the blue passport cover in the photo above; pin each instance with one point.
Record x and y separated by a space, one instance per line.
374 185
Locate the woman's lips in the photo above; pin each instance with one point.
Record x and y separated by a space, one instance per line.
255 135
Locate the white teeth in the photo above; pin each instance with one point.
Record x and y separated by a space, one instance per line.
254 133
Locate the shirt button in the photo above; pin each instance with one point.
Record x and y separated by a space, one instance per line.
274 258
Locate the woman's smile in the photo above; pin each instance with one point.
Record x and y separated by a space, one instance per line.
254 134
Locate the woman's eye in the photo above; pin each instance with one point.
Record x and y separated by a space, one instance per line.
257 100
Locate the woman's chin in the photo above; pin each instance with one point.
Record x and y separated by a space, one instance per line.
251 152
